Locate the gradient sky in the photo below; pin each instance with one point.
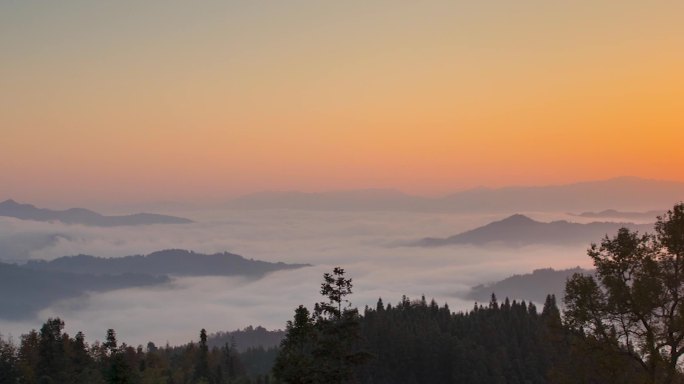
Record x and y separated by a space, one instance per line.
179 100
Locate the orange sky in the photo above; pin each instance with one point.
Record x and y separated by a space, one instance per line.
172 100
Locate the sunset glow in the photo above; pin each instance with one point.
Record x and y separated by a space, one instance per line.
172 100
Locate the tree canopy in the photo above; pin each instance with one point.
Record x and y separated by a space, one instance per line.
635 304
323 347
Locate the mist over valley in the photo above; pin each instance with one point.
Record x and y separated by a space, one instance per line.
370 245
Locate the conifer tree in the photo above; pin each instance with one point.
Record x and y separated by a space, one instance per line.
323 348
52 362
8 362
202 364
295 362
117 368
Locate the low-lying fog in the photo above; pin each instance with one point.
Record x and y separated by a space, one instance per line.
364 244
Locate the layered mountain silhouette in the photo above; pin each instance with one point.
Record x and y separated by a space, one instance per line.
615 214
83 216
531 286
626 193
176 262
30 287
520 230
26 291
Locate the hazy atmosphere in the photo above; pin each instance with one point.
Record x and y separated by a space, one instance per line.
366 244
374 246
171 166
163 101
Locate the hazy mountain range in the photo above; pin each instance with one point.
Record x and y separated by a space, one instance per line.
28 288
520 230
26 291
531 286
628 193
615 214
176 262
83 216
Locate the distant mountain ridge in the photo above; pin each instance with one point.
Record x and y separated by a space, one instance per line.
625 193
175 262
11 208
631 193
26 291
530 286
353 200
520 230
615 214
30 287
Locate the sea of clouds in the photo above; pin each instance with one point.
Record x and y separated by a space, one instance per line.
368 245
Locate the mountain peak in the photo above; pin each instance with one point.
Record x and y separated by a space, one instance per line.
520 230
13 205
517 219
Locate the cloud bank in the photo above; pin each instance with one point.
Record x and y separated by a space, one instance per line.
362 243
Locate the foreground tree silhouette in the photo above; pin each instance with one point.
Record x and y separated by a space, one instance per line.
202 363
635 304
117 369
8 362
295 362
52 361
323 347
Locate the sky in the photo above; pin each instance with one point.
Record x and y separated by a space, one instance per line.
174 100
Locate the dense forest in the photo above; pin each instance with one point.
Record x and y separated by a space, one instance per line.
410 342
420 342
52 356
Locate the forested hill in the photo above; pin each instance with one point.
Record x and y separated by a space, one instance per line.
520 230
30 287
25 291
168 262
247 338
83 216
530 286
